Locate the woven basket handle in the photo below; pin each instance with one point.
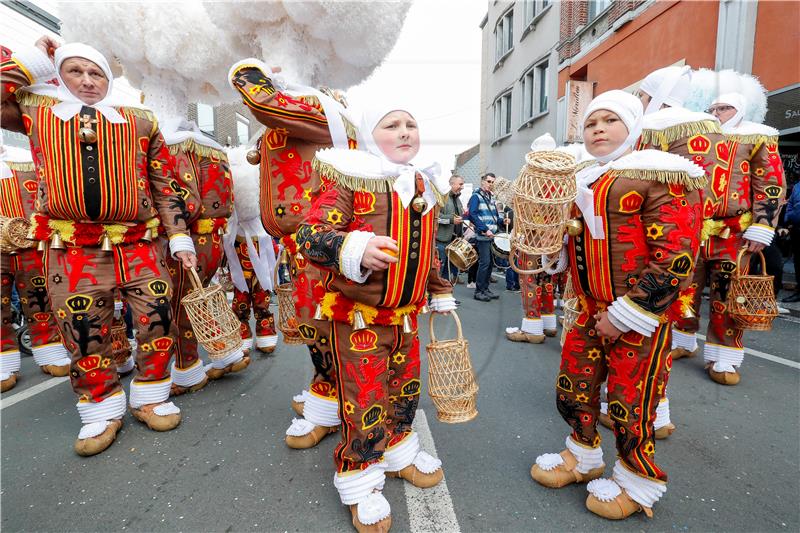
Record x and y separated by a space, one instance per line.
512 260
195 279
743 272
458 325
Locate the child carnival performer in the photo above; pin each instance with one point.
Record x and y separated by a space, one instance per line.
637 244
538 290
24 269
204 183
105 185
299 120
372 227
742 205
670 127
251 257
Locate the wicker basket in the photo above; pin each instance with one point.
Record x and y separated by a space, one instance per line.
751 298
224 278
571 308
287 313
543 194
14 234
215 326
120 347
451 380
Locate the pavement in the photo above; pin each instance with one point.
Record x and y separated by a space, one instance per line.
732 463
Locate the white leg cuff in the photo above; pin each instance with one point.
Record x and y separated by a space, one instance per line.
267 341
549 321
144 392
687 341
134 344
301 398
725 358
588 458
229 359
321 411
51 354
357 486
403 453
533 326
9 362
109 409
247 344
644 491
188 377
127 366
373 509
662 414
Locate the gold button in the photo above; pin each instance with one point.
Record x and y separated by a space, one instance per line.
413 255
90 148
580 267
90 169
578 248
415 245
415 234
91 180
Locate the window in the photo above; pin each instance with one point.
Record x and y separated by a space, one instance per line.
535 91
504 35
502 115
532 8
596 7
242 129
205 118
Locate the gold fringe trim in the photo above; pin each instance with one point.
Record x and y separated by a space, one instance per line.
368 312
190 145
679 131
754 139
31 100
671 177
141 113
716 227
353 183
20 166
349 128
311 100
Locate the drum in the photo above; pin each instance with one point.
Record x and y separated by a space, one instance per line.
501 246
461 254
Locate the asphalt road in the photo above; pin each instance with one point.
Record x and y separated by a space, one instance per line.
733 462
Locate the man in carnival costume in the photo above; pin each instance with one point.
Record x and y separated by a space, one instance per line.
299 120
106 183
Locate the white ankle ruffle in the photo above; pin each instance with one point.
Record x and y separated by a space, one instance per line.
532 326
108 409
373 509
355 487
662 414
300 427
321 411
93 429
687 341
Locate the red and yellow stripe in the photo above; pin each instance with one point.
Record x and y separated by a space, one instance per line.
598 252
10 197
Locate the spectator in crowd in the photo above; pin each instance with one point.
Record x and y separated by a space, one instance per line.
792 220
450 226
483 215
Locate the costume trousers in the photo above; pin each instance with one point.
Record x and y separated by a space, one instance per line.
28 271
377 370
209 258
308 291
715 267
256 298
538 304
82 283
636 367
9 349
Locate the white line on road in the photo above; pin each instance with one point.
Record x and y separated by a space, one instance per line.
31 391
429 510
762 355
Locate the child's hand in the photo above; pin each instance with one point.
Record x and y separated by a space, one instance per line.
605 328
376 256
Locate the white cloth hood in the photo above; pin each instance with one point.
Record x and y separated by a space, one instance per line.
669 85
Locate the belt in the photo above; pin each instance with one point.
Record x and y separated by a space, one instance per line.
722 227
90 234
337 307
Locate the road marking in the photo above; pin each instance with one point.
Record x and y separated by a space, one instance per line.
762 355
429 510
31 391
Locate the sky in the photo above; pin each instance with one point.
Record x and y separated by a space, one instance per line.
435 69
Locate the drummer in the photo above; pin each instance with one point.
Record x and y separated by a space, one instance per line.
450 226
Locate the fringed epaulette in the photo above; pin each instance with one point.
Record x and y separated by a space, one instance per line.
440 198
353 183
25 98
584 164
139 112
190 145
668 135
349 128
19 166
670 177
753 138
311 100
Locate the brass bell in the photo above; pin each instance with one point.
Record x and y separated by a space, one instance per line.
285 257
688 312
408 327
419 204
42 246
253 156
88 135
318 313
725 233
148 235
574 227
358 321
56 243
106 245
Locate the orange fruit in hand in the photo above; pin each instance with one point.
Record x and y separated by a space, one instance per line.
389 252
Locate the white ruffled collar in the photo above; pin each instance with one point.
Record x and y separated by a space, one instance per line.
367 166
752 128
656 160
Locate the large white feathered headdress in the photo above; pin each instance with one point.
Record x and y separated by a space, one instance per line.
709 84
